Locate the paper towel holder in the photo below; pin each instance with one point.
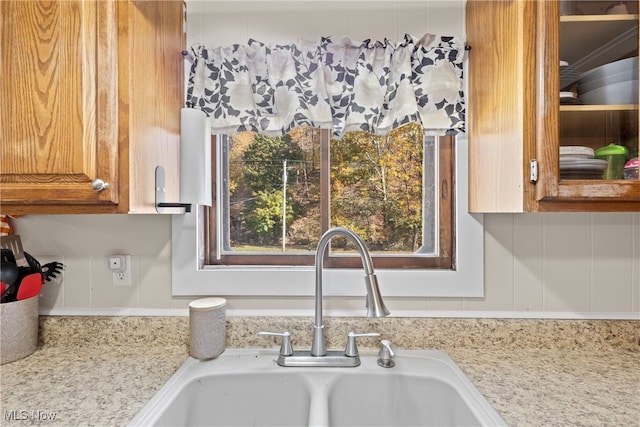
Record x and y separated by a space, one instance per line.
160 191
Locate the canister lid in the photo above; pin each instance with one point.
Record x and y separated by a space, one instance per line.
611 150
207 303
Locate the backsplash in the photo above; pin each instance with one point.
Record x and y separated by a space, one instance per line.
536 265
444 334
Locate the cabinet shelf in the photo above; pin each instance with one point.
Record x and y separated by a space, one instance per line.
603 108
590 19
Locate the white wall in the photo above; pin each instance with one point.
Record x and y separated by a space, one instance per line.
220 23
539 265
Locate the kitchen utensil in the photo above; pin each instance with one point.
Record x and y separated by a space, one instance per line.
20 276
34 265
621 66
576 152
609 79
9 273
51 270
7 255
30 286
569 98
616 93
9 294
585 164
568 75
577 168
14 243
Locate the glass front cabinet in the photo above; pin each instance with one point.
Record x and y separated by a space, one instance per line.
553 106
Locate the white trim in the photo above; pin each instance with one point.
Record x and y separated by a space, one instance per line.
467 281
532 315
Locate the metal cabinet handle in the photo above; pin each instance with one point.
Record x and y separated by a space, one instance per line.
99 185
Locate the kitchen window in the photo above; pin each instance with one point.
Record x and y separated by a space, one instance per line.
275 197
236 247
191 276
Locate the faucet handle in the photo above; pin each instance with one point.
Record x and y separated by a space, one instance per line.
285 348
352 349
386 355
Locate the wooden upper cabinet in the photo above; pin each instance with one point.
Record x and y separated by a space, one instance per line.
91 90
517 123
59 101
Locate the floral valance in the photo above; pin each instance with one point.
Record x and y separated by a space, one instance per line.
343 86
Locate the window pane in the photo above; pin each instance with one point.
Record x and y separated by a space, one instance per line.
382 187
260 171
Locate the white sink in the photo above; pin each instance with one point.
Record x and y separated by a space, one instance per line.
221 399
245 387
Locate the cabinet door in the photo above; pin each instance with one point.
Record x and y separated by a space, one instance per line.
502 105
586 37
59 103
515 117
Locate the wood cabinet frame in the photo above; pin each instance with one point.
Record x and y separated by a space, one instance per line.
514 115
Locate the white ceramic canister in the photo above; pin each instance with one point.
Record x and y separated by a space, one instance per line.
207 327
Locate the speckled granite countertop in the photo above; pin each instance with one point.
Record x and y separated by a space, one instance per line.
100 371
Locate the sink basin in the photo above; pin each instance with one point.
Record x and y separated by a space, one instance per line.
422 391
221 400
239 388
245 387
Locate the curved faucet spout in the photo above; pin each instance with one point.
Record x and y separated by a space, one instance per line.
375 305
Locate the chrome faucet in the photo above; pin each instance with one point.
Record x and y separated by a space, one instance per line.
375 305
319 356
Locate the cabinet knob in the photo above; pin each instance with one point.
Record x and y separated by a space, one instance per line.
99 185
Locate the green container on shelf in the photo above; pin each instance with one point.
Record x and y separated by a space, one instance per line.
616 156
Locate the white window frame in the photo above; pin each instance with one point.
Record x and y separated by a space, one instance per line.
191 278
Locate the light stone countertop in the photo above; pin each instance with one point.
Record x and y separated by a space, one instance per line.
96 371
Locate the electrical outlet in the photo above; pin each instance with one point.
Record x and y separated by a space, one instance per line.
120 266
122 279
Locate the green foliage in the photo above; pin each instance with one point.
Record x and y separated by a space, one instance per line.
262 175
264 216
376 188
263 161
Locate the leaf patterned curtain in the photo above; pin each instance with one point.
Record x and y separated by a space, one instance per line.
342 86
